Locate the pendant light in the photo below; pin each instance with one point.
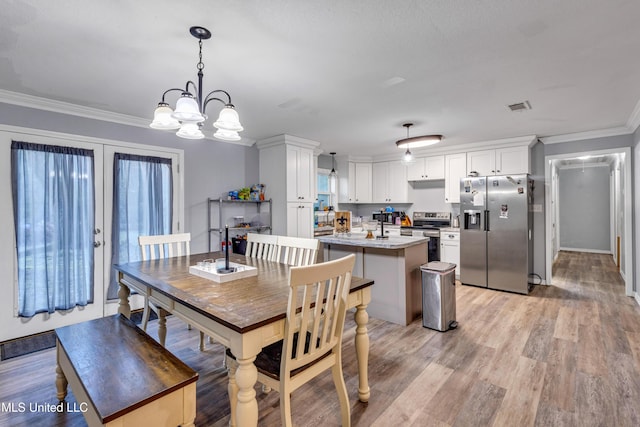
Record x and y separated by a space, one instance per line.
408 157
416 142
333 172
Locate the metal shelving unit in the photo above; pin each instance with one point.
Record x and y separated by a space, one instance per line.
221 202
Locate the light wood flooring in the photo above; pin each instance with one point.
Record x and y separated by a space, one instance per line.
565 355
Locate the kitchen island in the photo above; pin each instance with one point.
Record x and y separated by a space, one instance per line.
393 264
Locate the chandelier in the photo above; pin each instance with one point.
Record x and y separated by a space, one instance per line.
416 142
189 114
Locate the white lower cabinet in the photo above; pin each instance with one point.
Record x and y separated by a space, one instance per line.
392 231
450 248
300 219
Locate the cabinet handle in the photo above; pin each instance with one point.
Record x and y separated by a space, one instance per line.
498 170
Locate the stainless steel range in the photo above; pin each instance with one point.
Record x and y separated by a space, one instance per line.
428 224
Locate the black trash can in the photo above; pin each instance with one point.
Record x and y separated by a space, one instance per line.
239 246
439 296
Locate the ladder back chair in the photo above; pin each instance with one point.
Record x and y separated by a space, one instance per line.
297 251
312 337
262 246
158 247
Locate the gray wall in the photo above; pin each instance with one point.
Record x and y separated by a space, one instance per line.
211 167
635 160
618 141
324 161
584 202
537 174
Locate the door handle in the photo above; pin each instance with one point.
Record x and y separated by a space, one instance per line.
96 244
486 220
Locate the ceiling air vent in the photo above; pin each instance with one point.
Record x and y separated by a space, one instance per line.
520 106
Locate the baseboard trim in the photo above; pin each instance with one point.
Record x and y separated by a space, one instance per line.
592 251
637 297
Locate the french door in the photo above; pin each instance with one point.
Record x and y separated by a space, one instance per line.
13 320
136 301
11 324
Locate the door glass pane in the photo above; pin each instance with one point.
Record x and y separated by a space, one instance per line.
142 206
54 219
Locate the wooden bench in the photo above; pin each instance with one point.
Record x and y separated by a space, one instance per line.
121 376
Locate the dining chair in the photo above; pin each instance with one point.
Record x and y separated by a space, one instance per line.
312 340
297 250
262 246
163 246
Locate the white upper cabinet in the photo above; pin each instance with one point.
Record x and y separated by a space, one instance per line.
426 169
288 169
500 161
455 169
300 179
512 160
390 182
355 183
482 163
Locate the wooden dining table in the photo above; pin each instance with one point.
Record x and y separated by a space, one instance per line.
245 315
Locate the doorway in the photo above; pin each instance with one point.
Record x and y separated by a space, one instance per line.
617 162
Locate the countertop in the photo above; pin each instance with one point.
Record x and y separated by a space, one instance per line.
358 239
450 229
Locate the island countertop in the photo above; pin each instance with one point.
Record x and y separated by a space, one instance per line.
358 239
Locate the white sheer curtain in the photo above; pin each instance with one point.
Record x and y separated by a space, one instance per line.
54 218
142 205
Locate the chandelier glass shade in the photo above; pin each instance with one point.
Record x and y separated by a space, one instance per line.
190 130
189 114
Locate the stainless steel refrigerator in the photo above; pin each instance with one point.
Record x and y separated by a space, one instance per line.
496 236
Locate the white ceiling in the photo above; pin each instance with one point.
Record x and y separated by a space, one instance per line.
323 70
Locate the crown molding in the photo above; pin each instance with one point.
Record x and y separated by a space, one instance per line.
578 136
288 140
354 159
438 149
634 118
61 107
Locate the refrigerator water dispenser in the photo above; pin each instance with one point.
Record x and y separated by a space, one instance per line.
472 220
